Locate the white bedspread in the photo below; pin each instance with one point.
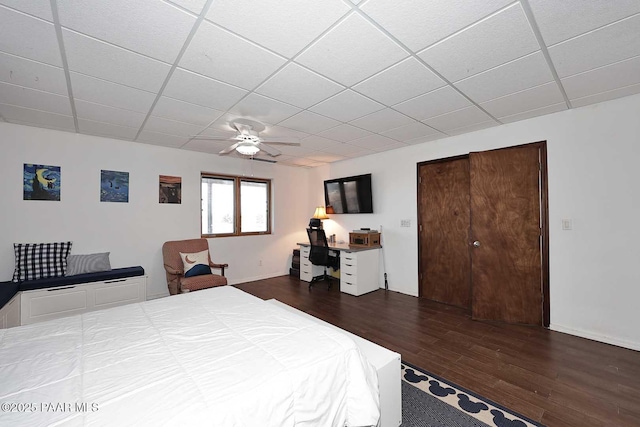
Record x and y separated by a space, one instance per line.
217 357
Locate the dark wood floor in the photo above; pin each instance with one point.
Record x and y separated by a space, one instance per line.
554 378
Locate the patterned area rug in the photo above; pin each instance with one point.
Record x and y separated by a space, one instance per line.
431 401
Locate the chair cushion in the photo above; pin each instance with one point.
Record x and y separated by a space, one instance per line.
195 264
91 263
196 283
7 291
40 260
52 282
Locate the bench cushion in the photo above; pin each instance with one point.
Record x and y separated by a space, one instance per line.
7 291
52 282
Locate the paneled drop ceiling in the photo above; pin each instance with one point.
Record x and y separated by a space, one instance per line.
345 78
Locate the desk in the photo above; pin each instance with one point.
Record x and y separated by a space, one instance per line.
359 267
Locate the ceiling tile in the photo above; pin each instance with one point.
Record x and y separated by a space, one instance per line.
501 38
390 147
610 77
347 106
196 89
309 122
32 74
410 131
604 46
282 132
456 119
473 128
373 142
298 86
264 109
423 139
106 129
263 21
315 142
31 117
419 24
352 51
523 73
325 157
173 109
28 37
164 140
558 20
437 102
112 94
171 127
218 54
382 120
149 27
606 96
294 151
349 150
95 58
345 133
534 113
35 99
404 80
194 6
41 9
114 116
300 161
533 98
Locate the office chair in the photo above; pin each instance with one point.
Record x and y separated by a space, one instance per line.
319 254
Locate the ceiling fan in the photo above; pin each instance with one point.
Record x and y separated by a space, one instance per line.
248 139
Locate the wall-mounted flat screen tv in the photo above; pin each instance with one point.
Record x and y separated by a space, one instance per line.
349 195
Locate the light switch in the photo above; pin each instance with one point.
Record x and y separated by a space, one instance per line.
567 224
405 223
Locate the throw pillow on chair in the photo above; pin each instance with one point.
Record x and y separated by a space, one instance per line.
196 264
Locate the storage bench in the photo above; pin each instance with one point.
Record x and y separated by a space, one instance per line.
38 300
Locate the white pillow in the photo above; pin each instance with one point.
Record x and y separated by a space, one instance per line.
196 264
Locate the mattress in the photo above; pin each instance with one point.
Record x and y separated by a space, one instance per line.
217 357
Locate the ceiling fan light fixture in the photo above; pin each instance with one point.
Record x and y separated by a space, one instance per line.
247 148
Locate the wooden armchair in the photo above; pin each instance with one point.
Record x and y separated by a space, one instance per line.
175 271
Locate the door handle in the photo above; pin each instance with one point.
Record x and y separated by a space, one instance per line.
476 244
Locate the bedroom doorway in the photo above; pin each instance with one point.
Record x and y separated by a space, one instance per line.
482 233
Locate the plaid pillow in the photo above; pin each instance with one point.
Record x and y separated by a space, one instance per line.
40 260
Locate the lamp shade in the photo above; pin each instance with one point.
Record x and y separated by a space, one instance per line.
320 213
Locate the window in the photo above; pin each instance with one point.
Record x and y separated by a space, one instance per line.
234 206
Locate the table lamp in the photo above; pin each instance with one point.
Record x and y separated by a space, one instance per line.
320 214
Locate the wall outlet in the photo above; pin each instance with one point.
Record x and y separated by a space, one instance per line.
567 224
405 223
260 263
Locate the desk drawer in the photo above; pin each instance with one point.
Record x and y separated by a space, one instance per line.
304 251
348 258
348 269
349 277
348 287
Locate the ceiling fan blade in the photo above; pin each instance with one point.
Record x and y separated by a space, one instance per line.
292 144
242 128
211 138
269 150
229 148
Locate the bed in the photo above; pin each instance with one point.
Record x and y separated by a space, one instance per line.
217 357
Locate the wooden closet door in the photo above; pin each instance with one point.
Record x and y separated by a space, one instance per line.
506 259
443 197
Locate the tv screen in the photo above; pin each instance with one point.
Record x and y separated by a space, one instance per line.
349 195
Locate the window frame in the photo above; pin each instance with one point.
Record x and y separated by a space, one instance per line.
237 207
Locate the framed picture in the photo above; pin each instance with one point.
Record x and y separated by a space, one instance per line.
41 182
114 186
170 189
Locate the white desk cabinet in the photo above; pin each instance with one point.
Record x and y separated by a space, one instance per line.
359 271
307 270
52 303
10 313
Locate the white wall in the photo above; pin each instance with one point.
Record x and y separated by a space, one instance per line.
593 155
134 232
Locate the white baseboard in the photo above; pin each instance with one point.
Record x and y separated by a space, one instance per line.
261 277
596 337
